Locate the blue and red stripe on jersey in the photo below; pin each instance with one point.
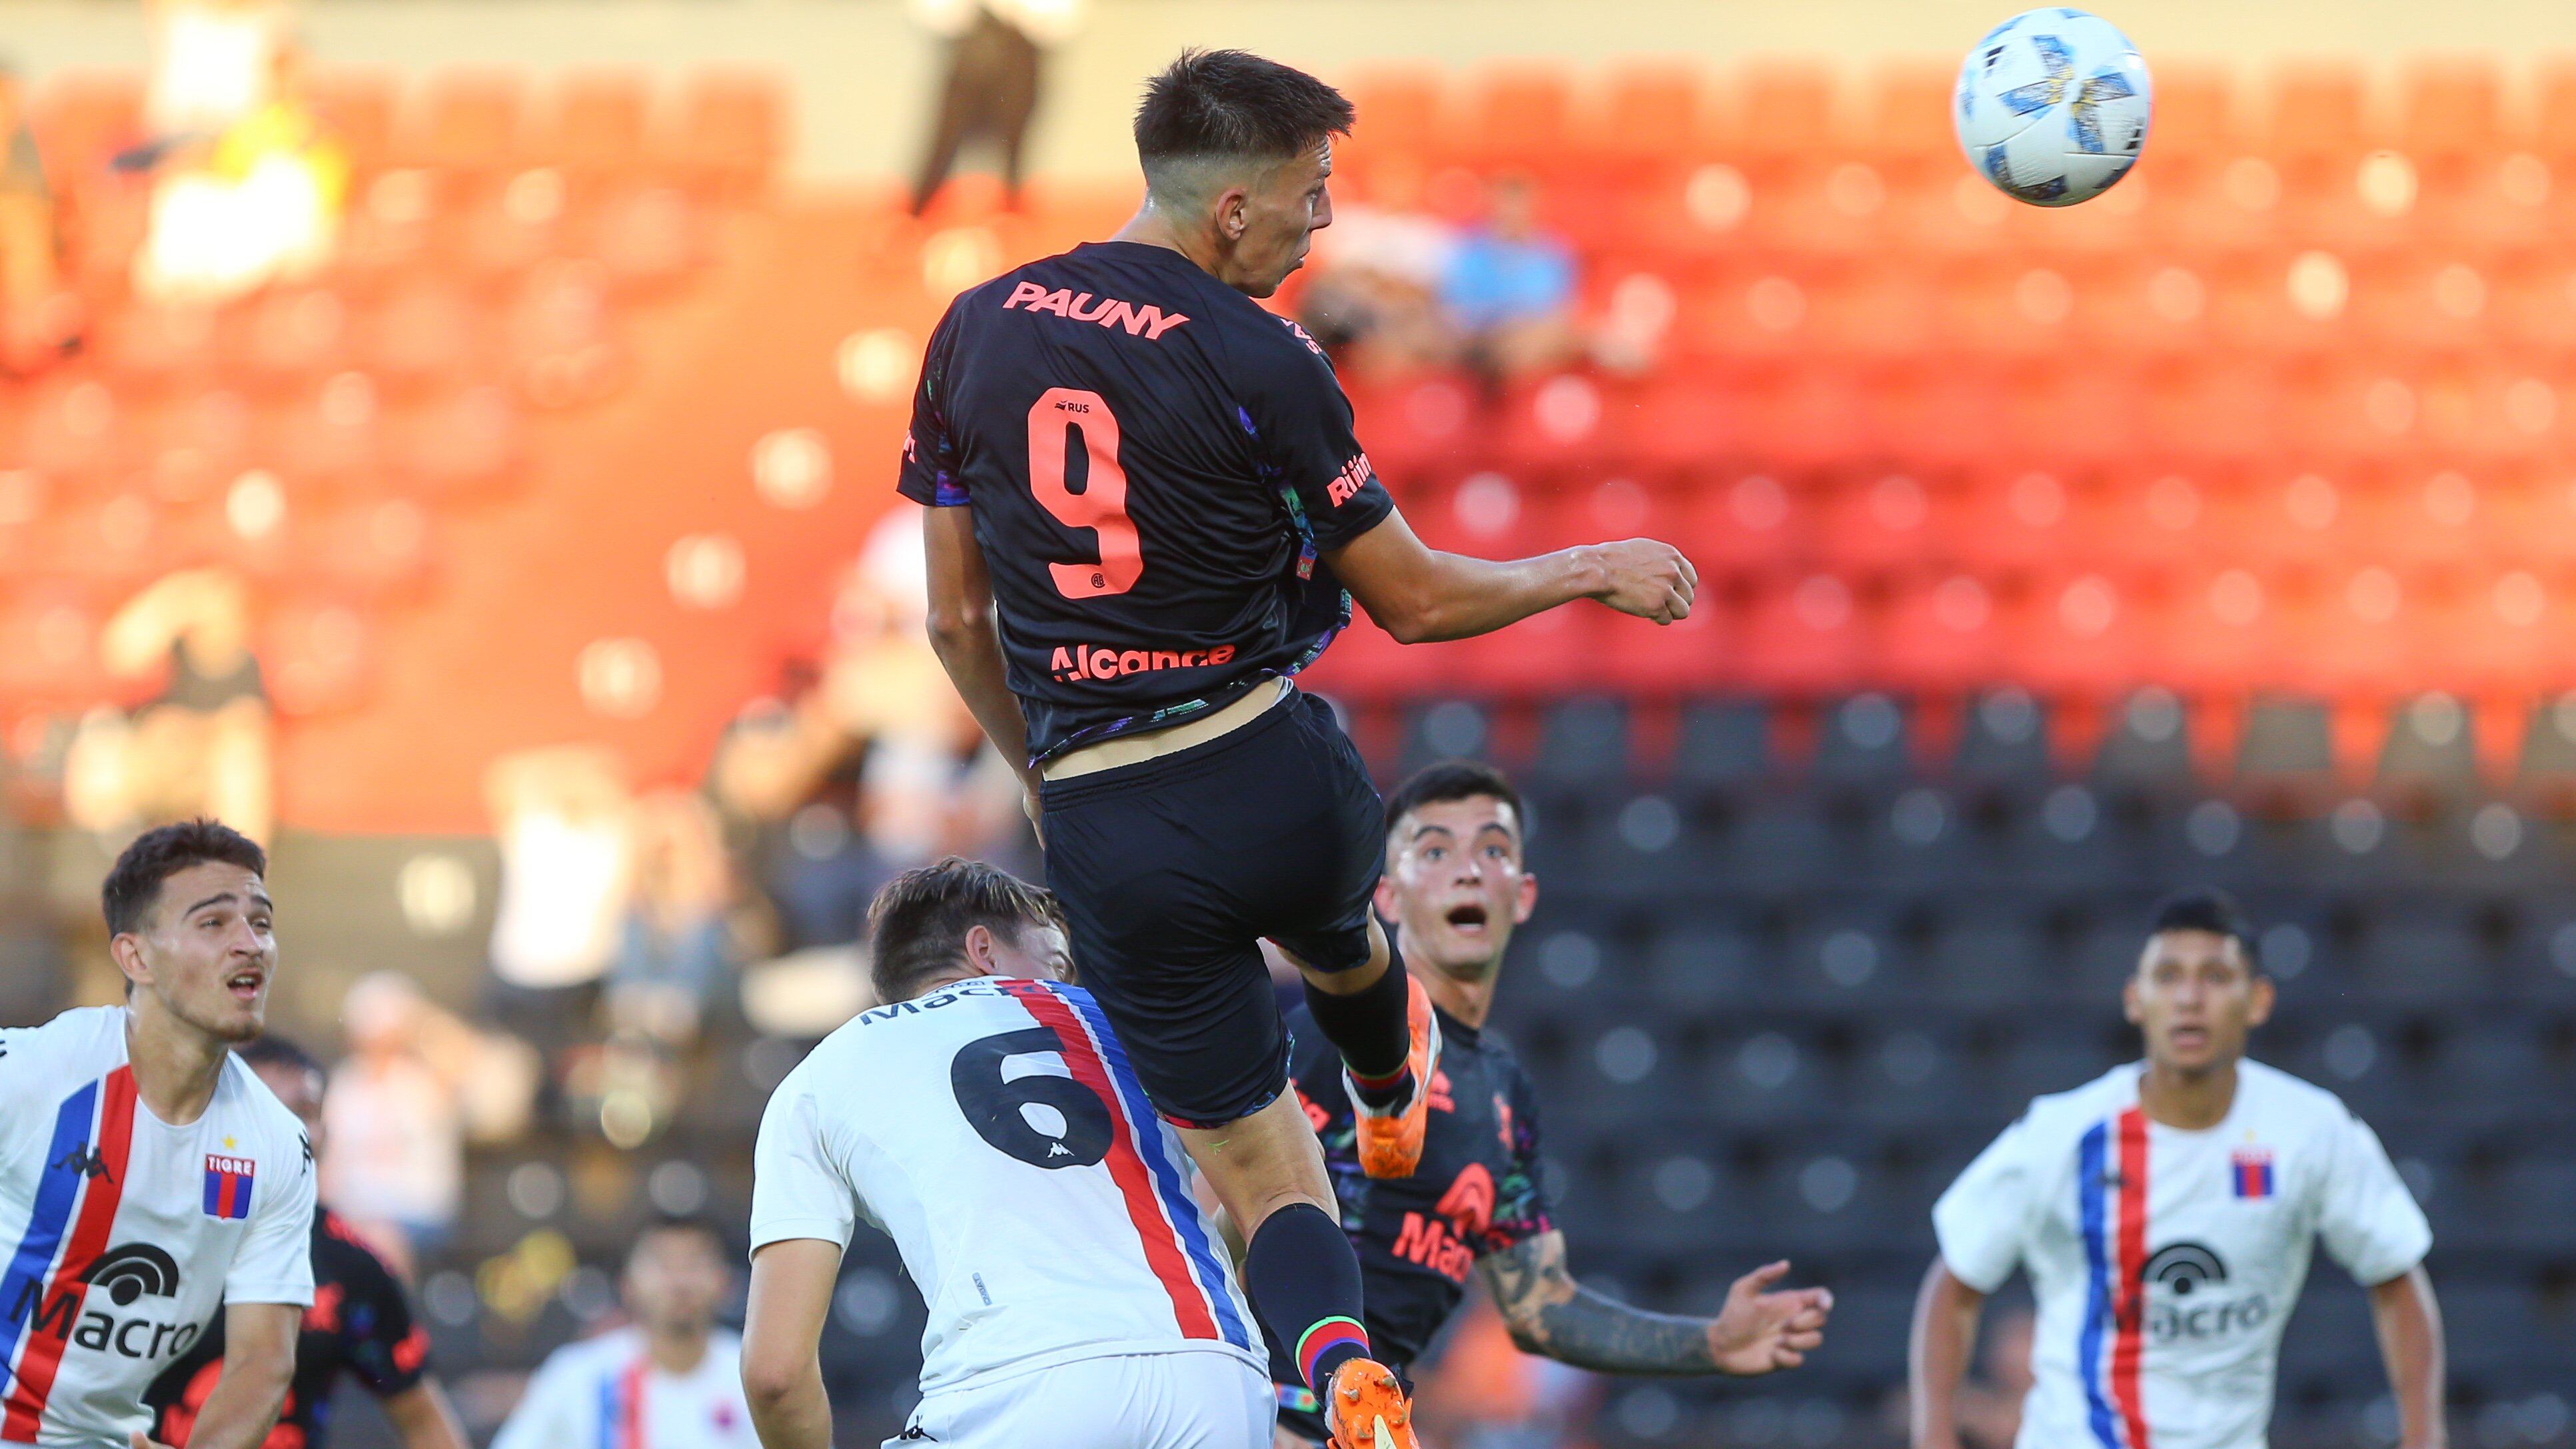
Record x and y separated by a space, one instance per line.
2115 1255
82 1188
1166 1218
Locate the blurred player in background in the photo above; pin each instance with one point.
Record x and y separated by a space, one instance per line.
988 1120
670 1380
360 1324
1456 887
2166 1213
1129 646
148 1180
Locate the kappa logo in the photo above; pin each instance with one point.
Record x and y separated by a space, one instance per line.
84 1161
1149 321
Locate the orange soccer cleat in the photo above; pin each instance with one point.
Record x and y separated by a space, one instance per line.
1390 1141
1366 1408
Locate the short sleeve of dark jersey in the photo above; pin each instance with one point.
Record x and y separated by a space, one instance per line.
1303 422
383 1345
1521 1198
930 475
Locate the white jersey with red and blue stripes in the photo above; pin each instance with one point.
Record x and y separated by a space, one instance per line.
996 1131
607 1393
125 1236
2165 1262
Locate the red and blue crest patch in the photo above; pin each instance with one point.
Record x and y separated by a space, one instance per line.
2251 1169
228 1184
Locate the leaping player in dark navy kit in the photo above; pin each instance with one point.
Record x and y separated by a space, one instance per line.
1146 506
1456 888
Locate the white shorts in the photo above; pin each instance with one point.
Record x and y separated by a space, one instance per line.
1129 1401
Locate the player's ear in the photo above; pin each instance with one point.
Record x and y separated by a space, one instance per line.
2129 1007
2260 1000
1526 901
1386 895
979 950
126 949
1233 213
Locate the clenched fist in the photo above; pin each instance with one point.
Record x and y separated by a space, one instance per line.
1647 578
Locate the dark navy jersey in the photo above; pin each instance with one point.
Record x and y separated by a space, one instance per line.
1156 466
360 1324
1476 1192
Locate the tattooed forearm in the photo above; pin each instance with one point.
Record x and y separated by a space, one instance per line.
1552 1315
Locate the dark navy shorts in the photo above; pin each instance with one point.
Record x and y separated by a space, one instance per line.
1173 871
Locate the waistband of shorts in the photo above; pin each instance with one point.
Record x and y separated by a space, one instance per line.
1143 747
1181 764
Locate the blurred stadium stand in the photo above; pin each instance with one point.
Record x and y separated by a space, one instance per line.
2221 530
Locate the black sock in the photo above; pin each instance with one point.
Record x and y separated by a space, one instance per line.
1370 1029
1304 1280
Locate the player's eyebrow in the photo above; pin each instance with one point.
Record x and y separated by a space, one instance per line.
1420 831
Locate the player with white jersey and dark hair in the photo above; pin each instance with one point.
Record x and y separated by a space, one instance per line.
669 1379
988 1120
2166 1213
148 1179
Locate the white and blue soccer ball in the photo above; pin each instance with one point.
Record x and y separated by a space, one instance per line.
2052 106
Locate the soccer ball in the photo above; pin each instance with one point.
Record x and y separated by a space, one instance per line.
2052 106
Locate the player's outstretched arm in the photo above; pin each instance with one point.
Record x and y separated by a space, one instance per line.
259 1362
1550 1314
1945 1328
962 633
1419 594
2410 1343
782 1327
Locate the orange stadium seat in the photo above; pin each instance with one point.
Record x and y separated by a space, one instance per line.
80 118
1876 522
469 121
1909 113
1747 523
730 131
359 108
1805 638
1651 111
595 122
1402 116
1518 115
2453 106
1942 634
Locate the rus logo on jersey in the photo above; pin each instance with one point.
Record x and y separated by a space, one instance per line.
1148 321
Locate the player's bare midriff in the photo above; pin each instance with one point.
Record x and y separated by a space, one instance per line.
1137 749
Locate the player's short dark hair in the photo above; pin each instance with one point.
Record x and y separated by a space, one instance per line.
692 1225
1449 780
2207 908
277 1051
917 925
1232 105
133 886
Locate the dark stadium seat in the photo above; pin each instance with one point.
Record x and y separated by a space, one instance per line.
2146 750
1987 952
1582 746
1724 749
1448 729
1861 746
